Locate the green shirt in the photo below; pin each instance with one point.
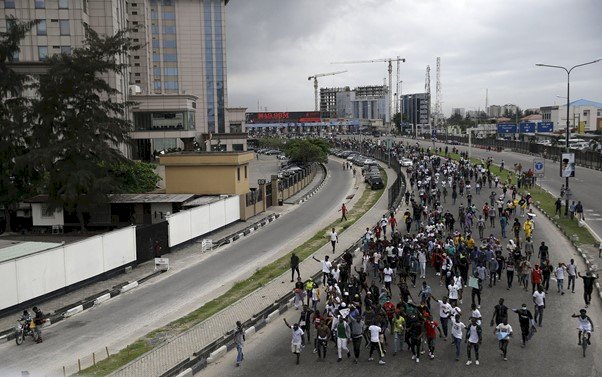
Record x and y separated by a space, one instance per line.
341 333
399 324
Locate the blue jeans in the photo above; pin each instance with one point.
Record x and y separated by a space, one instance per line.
239 355
444 325
457 342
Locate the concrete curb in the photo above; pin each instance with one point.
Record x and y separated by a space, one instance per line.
186 373
129 286
101 299
73 311
213 356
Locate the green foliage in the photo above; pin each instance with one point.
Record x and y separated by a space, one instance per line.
397 121
136 177
307 150
15 181
77 124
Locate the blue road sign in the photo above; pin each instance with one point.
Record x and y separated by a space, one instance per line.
545 127
506 128
539 167
526 127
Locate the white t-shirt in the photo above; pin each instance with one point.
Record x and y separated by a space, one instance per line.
473 335
453 292
336 274
455 310
560 273
326 265
297 336
504 328
374 333
457 328
421 256
383 222
444 309
571 269
539 297
333 236
388 272
476 314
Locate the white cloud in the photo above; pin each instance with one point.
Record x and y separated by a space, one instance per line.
274 45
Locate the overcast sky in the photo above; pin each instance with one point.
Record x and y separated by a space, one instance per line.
274 45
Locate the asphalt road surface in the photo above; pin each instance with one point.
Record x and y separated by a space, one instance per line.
553 351
124 319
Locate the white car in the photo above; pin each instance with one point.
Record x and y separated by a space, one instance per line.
405 162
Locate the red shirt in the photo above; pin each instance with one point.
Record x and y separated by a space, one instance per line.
389 308
430 327
536 276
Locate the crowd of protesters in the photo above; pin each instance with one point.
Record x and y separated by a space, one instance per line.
461 225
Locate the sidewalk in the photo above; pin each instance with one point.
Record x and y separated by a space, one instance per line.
177 257
185 345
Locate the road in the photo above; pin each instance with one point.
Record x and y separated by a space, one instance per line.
186 287
585 186
553 349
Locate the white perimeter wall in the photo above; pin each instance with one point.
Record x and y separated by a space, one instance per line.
195 222
38 274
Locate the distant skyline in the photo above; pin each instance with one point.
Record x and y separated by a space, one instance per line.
274 45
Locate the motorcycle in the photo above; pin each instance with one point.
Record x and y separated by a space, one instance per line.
24 329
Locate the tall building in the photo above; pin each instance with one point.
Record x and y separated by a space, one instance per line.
416 108
458 111
495 111
177 80
363 102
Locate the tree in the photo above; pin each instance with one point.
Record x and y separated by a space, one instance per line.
397 121
78 126
307 150
15 182
136 177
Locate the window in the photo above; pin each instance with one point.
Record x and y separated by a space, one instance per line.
169 29
63 4
170 71
46 211
66 50
41 27
169 16
42 53
167 3
246 176
64 26
157 85
137 81
155 29
134 13
156 57
238 173
9 4
156 43
14 57
170 58
157 71
169 44
171 85
40 4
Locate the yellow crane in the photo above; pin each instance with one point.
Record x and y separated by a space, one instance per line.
390 69
315 78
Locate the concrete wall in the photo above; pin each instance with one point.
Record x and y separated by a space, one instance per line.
38 219
37 274
186 225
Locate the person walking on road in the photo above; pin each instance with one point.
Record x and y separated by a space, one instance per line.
343 212
294 267
334 239
474 338
500 312
525 318
357 333
239 339
503 331
375 344
588 286
342 331
539 299
560 272
326 267
571 270
457 328
296 339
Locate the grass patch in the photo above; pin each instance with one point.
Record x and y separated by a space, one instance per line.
240 289
545 199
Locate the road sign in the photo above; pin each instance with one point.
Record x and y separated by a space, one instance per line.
539 167
506 128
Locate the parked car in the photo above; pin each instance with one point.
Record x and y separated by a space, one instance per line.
272 152
376 182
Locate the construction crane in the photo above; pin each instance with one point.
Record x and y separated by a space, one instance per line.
315 77
390 70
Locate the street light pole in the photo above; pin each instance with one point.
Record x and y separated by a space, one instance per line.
568 131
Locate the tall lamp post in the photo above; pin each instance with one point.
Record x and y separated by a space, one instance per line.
568 130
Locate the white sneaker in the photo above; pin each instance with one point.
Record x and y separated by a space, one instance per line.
468 362
381 362
370 359
476 362
417 360
413 357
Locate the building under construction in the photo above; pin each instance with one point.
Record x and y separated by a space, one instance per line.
363 102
